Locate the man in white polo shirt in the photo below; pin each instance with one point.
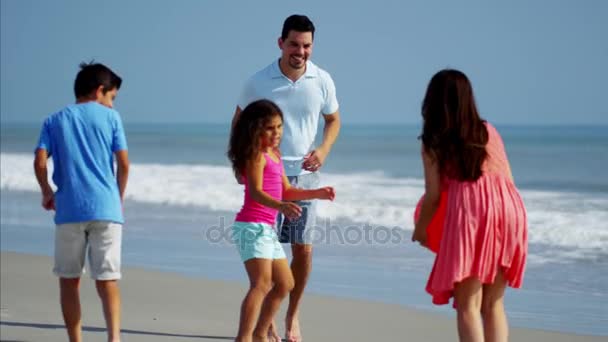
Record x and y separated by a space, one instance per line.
305 93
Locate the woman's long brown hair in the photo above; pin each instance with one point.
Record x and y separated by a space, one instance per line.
453 132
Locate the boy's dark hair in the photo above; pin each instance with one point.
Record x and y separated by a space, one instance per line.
298 23
91 76
452 130
244 144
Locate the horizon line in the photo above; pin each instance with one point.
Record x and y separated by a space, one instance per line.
356 123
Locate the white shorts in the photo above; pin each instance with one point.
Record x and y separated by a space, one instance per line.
103 239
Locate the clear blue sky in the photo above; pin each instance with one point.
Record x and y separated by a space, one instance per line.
531 62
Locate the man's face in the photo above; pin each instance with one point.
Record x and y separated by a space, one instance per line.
107 99
297 48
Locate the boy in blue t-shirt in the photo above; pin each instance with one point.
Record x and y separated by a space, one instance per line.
83 139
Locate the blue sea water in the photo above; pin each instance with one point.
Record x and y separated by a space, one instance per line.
182 197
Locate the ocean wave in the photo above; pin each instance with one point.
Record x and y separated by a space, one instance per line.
573 221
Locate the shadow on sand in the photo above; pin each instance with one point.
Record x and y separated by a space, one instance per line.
97 329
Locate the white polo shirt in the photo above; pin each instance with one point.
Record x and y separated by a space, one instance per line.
302 103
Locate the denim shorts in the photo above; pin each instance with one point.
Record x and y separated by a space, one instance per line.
256 240
103 239
301 229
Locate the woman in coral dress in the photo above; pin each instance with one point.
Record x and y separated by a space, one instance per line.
483 246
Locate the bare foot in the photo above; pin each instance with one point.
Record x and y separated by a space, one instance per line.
292 330
259 339
273 334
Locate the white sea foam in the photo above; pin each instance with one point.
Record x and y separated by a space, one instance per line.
575 222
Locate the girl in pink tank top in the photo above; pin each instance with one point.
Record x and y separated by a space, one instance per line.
255 158
483 243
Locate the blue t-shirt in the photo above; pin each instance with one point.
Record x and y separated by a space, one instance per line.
81 139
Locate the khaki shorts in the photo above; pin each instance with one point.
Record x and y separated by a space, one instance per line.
103 240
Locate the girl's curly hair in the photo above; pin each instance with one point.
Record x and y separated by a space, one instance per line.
244 143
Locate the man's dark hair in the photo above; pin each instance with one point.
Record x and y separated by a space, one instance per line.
299 23
91 76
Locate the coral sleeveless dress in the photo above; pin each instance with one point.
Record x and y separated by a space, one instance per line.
485 228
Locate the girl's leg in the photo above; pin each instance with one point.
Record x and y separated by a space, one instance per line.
273 333
260 279
283 284
495 324
468 297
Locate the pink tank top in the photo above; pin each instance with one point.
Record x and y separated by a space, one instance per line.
272 184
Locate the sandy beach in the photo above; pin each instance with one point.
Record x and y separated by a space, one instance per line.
160 306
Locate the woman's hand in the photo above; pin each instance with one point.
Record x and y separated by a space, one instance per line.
419 235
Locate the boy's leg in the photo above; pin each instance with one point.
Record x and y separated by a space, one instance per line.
105 259
496 328
70 246
468 296
259 272
70 307
109 293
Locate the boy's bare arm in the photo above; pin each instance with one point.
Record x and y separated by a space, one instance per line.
41 172
122 171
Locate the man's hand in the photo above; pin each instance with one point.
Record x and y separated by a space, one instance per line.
314 160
